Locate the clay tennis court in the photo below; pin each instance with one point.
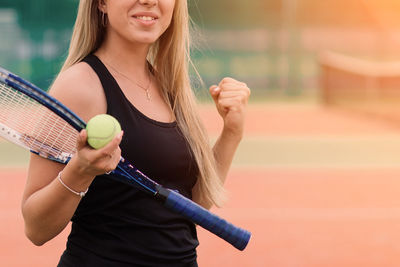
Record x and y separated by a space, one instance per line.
315 186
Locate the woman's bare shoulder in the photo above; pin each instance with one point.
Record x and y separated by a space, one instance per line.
80 89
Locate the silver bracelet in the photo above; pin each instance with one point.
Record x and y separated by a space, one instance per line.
81 194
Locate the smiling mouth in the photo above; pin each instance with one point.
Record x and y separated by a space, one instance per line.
147 18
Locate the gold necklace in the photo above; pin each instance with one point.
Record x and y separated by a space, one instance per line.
146 89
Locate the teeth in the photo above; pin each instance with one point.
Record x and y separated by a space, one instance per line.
145 18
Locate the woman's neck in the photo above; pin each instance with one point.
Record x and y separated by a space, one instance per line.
127 56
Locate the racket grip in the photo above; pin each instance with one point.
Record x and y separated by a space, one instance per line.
236 236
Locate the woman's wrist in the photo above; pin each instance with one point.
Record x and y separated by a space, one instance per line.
235 135
78 193
75 177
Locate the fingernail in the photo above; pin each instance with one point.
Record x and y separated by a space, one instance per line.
120 135
216 89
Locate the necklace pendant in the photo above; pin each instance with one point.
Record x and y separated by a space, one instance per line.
148 95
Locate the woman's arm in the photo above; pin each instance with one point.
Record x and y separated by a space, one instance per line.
230 97
48 206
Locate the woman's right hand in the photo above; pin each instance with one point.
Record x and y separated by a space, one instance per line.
91 162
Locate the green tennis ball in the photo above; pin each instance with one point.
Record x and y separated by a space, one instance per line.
101 129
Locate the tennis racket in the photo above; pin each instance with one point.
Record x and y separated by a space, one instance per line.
38 122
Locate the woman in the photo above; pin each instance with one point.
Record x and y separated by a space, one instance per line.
129 58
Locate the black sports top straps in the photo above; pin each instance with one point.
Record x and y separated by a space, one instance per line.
118 225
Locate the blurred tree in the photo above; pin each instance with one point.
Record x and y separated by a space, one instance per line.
45 23
256 13
46 27
235 13
45 14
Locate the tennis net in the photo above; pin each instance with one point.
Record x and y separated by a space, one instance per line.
362 85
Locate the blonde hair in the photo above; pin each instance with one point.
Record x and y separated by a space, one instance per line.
170 58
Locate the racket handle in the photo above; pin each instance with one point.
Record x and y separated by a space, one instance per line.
236 236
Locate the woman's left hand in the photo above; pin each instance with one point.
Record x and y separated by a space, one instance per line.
231 97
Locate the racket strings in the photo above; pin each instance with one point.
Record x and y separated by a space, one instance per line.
34 125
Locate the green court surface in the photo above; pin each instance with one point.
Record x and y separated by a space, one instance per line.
12 155
319 151
286 151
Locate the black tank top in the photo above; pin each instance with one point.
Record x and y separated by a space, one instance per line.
118 225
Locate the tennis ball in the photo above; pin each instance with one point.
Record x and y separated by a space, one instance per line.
101 129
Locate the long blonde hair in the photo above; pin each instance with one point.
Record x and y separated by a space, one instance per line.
170 58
